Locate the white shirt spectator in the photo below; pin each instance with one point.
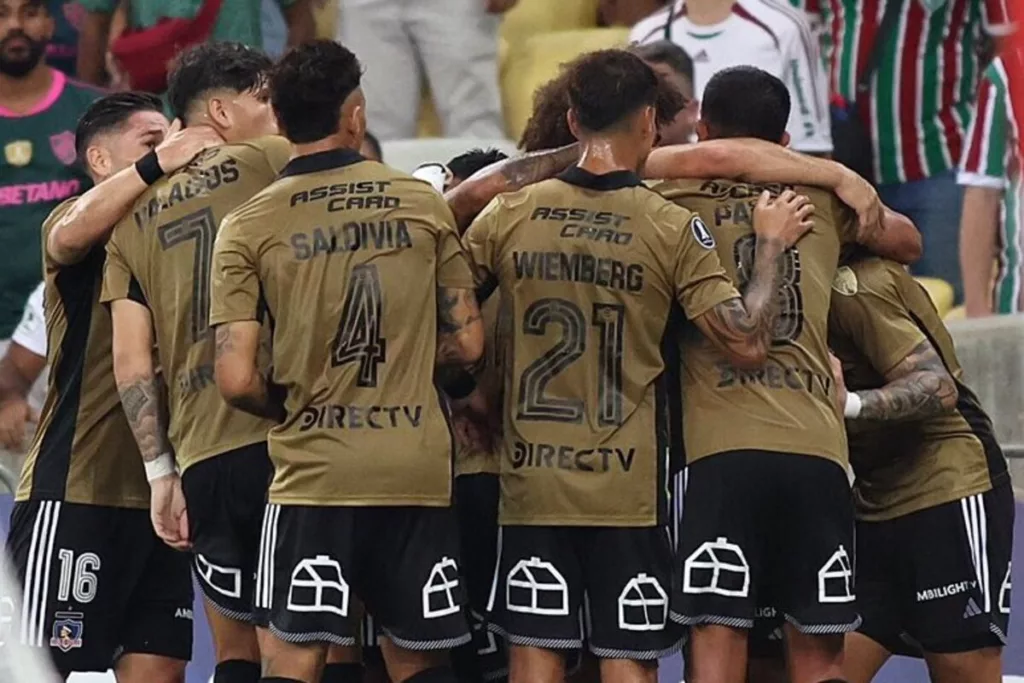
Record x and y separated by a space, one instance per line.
31 334
770 35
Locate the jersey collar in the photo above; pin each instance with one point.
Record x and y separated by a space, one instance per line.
322 161
616 180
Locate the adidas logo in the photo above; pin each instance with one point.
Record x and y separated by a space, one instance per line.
972 609
701 56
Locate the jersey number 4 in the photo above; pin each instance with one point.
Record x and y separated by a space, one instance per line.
358 339
790 322
200 227
609 319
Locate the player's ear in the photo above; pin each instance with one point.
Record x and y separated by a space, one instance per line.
702 130
574 123
217 111
785 140
97 161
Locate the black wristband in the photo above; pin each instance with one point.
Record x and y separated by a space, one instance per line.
148 168
460 385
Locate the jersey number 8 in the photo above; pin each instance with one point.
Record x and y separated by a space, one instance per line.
609 319
790 322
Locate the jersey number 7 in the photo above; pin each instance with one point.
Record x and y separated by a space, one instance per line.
201 228
609 319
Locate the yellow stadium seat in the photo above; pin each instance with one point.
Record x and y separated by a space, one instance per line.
958 313
537 60
530 17
326 16
940 291
429 125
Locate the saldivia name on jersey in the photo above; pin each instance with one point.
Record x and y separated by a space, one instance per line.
583 268
356 341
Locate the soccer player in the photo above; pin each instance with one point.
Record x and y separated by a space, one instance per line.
932 494
38 108
591 264
100 589
361 271
766 513
675 66
157 281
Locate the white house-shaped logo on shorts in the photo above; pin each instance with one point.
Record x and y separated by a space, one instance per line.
225 580
1004 591
643 605
438 599
535 586
317 586
835 578
718 567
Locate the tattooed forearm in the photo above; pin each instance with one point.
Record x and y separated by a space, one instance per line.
743 329
223 342
143 399
457 311
264 401
919 387
471 196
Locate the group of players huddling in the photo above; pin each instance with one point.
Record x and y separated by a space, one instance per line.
285 331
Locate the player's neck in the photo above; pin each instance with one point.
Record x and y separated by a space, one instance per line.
606 155
708 12
322 145
21 95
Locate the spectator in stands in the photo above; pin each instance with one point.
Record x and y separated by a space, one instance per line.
773 36
990 226
22 377
455 41
39 108
62 51
674 65
237 20
626 12
916 105
371 147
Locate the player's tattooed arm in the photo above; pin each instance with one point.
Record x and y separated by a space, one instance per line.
742 328
460 328
471 196
139 384
238 378
918 387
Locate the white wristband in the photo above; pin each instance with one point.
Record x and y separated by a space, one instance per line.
162 466
853 405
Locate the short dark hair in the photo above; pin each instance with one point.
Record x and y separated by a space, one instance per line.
470 162
218 65
108 113
308 87
744 101
606 86
372 140
668 53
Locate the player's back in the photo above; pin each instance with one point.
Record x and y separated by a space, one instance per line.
160 255
788 405
879 315
590 267
349 253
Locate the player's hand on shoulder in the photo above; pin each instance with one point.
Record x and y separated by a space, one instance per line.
168 512
181 145
15 414
861 196
785 218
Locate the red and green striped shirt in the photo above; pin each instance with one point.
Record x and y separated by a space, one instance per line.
922 94
992 159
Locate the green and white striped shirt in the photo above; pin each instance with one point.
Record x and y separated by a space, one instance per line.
992 159
922 94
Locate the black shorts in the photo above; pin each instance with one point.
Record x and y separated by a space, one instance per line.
766 528
938 580
226 496
401 563
98 583
618 579
476 507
